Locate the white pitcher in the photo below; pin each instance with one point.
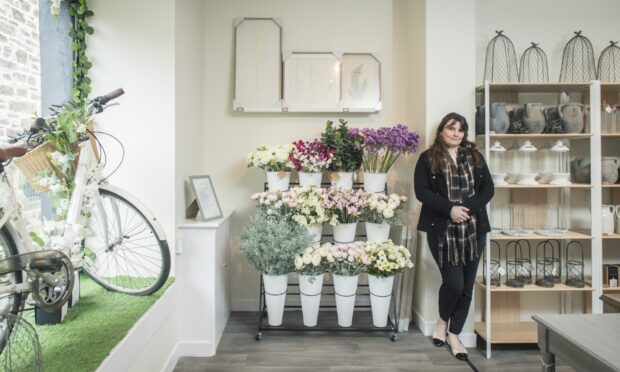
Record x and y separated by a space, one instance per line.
607 217
617 208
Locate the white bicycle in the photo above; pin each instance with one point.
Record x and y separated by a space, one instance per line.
126 250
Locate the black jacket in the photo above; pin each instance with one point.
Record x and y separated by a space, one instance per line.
431 190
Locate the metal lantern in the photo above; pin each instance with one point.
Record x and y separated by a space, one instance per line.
527 171
496 271
526 267
512 163
556 270
533 67
514 266
560 157
574 266
578 60
609 64
500 64
498 161
544 264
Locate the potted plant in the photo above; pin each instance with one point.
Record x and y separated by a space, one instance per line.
379 214
345 207
311 266
275 161
310 160
381 147
270 243
347 157
307 209
349 262
384 261
272 203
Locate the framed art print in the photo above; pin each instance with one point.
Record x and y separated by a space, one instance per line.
203 190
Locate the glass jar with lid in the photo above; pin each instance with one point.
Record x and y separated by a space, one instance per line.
527 160
512 163
498 163
561 164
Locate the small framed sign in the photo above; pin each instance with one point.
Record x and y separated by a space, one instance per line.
203 190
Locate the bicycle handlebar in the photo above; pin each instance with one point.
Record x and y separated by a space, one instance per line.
112 95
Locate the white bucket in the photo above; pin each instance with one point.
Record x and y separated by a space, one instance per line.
310 287
345 232
316 230
278 181
345 288
342 180
380 295
275 296
377 232
375 182
310 179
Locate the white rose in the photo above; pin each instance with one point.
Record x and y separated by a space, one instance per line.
299 263
316 260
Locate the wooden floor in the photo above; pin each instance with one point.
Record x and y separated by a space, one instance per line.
314 351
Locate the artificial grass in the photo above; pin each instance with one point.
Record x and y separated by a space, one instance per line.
91 328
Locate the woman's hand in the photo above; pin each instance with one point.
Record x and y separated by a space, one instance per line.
459 214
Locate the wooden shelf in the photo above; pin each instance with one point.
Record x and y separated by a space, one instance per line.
569 136
612 236
614 186
545 186
607 88
610 135
610 289
509 333
571 235
534 88
559 287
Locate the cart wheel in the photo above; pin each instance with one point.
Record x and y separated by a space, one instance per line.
393 338
259 336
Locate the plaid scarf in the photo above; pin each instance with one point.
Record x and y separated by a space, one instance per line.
460 237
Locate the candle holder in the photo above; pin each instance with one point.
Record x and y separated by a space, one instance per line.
526 261
496 275
544 264
514 267
556 258
574 266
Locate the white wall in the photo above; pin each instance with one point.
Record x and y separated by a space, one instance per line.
323 25
133 48
550 23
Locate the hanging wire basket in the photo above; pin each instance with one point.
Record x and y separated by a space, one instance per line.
578 60
22 350
533 67
609 64
500 64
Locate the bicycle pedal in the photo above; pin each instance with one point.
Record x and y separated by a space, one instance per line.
48 264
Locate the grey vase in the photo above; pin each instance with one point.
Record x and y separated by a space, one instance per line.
609 170
480 119
534 118
580 169
572 117
499 117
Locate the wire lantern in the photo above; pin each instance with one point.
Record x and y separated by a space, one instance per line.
496 267
514 266
22 350
533 67
525 274
574 266
578 60
544 264
556 258
609 64
500 64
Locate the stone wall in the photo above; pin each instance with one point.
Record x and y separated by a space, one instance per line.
20 81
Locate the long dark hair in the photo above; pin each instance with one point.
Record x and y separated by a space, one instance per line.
439 149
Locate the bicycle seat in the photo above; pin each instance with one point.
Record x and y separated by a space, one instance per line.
11 152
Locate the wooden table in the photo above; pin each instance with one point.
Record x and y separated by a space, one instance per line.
587 342
612 301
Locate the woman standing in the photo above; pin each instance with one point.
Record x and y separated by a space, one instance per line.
453 183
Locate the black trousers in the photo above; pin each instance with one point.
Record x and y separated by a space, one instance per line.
457 284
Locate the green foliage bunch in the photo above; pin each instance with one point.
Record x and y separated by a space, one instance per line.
270 243
78 9
348 156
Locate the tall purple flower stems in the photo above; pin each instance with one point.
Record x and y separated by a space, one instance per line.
383 146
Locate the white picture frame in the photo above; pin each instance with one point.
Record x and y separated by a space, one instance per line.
208 205
258 65
361 82
312 82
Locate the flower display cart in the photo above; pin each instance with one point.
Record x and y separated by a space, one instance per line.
328 304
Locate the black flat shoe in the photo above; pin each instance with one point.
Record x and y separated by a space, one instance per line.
438 342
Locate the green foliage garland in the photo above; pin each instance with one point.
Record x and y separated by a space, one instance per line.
78 9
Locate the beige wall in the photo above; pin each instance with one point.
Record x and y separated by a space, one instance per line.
367 25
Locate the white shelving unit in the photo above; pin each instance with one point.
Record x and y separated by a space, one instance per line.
501 311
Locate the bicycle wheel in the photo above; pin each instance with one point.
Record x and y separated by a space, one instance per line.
9 303
124 253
